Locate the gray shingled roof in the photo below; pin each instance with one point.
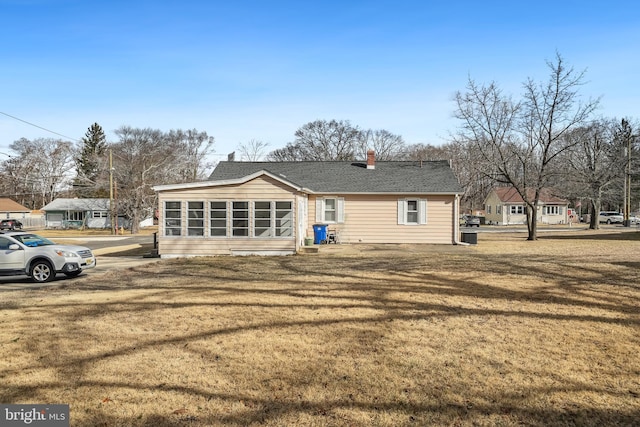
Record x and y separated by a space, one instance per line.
352 177
62 204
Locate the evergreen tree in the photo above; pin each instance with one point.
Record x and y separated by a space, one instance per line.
92 151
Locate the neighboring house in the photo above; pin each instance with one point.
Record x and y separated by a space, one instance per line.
504 206
12 209
76 213
271 207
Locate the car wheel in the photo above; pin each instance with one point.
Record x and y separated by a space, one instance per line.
41 272
609 221
73 273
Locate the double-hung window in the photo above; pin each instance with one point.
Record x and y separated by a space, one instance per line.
412 211
330 210
172 218
551 210
517 209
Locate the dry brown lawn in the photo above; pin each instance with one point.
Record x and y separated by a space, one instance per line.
507 332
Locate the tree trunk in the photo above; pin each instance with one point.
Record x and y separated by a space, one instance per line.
133 225
532 223
594 207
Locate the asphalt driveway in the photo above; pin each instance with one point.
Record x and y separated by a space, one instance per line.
105 248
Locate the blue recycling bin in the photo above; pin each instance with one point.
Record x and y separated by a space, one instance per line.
319 233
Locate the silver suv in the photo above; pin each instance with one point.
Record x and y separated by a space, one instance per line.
35 256
610 217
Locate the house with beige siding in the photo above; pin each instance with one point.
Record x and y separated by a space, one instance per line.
272 207
505 206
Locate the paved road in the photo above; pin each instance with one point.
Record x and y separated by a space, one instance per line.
97 243
543 228
100 245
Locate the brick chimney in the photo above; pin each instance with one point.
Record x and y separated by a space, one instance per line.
371 159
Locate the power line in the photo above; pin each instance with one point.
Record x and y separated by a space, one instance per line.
39 127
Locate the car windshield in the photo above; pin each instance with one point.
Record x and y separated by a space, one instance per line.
33 240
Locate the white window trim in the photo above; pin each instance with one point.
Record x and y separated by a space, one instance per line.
188 219
552 210
249 219
164 218
403 208
275 219
272 220
516 208
210 218
254 218
320 208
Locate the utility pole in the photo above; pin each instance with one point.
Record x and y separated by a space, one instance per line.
111 206
629 136
627 209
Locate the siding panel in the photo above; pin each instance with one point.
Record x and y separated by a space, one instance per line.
374 219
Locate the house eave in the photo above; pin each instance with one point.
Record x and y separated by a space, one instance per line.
387 193
227 182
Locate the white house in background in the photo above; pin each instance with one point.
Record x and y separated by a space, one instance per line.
505 206
88 213
77 213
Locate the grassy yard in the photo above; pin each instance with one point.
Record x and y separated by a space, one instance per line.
507 332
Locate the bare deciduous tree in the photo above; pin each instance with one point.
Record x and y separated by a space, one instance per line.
38 170
321 140
190 156
253 150
146 157
519 141
388 146
592 164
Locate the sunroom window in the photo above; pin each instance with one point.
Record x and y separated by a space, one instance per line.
195 215
172 219
218 215
240 215
262 219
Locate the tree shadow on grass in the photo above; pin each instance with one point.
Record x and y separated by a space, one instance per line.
632 235
402 289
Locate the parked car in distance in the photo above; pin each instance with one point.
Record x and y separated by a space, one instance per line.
28 254
471 221
610 217
10 224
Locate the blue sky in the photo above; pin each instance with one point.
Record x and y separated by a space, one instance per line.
243 70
